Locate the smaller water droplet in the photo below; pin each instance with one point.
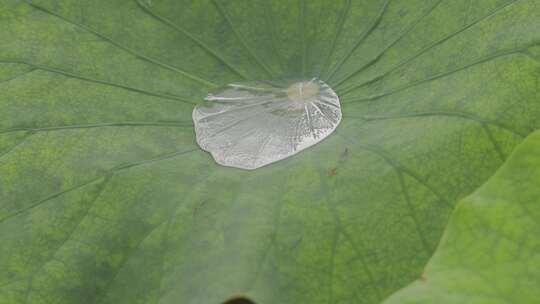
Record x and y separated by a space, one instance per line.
250 125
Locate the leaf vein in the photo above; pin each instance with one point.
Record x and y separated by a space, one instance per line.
424 50
519 51
457 114
191 36
125 48
102 82
361 39
243 42
98 125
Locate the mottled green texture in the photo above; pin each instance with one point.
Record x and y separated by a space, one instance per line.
490 252
105 197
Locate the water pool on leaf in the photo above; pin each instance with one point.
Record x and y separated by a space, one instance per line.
253 124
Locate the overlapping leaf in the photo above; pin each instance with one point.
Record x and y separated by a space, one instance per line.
489 252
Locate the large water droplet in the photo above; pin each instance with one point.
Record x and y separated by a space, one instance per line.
253 124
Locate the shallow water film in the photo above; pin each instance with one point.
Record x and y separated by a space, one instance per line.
253 124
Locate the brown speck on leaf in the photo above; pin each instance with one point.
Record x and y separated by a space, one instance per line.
422 278
332 172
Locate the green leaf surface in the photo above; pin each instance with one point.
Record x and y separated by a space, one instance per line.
106 198
490 251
